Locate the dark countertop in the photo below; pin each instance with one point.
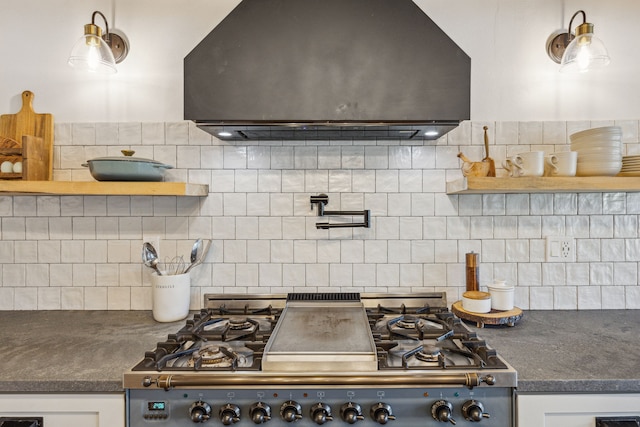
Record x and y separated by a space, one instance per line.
88 351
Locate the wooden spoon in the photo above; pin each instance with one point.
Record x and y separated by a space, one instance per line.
492 165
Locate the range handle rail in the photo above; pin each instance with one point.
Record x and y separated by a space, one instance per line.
322 199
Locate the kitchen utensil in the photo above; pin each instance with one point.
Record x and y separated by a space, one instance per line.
171 296
150 257
38 130
126 168
470 168
476 301
175 265
492 165
202 256
197 246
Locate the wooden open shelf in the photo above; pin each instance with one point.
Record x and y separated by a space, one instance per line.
586 184
103 188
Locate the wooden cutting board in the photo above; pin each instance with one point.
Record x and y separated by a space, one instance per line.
27 122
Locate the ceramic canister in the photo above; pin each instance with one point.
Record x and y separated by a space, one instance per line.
502 295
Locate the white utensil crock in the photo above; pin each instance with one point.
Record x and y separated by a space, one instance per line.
171 296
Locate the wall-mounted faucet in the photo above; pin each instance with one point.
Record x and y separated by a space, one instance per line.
322 199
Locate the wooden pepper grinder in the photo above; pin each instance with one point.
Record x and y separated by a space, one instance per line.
473 272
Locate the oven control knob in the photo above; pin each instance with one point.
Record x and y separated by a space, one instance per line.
351 412
321 413
199 411
291 411
229 414
381 413
441 411
473 411
260 412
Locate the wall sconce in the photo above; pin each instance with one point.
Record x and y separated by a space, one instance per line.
580 52
96 52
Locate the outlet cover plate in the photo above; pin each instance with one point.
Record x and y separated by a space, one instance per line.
561 249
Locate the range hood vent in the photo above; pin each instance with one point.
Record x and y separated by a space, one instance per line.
327 69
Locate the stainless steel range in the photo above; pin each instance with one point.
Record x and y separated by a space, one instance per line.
309 359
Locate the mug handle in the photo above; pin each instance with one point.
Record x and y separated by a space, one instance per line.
551 161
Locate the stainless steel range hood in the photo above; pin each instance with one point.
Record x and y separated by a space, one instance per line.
327 69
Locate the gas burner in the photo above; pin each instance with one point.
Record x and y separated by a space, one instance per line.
428 353
240 323
214 356
408 321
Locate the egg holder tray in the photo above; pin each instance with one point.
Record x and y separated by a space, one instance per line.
33 154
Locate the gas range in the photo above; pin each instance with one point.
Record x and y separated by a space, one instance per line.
309 359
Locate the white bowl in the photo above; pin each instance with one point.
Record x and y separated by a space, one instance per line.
601 144
476 301
599 158
598 169
605 131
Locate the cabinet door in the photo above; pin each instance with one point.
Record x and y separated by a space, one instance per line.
64 410
572 410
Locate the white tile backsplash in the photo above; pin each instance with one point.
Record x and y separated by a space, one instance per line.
83 252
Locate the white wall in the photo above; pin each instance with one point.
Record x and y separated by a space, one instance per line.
512 77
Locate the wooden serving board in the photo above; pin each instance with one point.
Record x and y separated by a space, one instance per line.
27 122
494 317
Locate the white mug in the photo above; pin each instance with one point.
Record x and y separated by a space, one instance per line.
561 164
525 164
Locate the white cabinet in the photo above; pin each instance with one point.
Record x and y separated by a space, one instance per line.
573 410
64 410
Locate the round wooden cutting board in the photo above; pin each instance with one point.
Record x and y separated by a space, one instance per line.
494 317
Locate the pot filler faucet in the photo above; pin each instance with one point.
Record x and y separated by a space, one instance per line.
322 199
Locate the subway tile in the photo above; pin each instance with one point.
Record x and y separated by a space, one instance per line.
565 298
25 299
614 203
376 157
423 157
95 298
340 274
410 228
388 274
399 251
399 204
589 298
293 181
601 273
282 158
409 181
387 181
329 158
400 157
541 298
352 157
577 274
613 297
305 157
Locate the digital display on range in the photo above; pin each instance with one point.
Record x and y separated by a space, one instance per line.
156 406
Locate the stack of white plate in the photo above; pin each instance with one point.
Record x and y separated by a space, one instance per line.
599 151
630 166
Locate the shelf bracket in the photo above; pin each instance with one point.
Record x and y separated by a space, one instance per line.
322 199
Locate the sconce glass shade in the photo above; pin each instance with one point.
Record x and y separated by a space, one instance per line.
585 52
92 53
580 52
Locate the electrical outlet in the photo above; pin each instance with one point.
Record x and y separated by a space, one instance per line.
561 249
